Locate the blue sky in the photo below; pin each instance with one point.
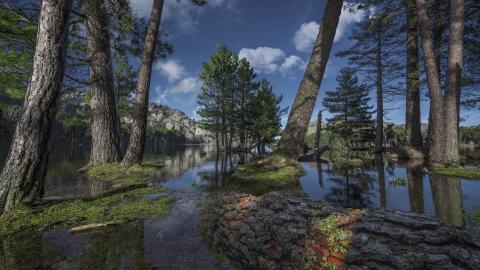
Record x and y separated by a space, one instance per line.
276 36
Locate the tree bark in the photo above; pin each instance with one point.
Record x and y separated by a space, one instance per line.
438 28
136 145
105 135
453 84
433 80
379 86
412 120
293 136
22 177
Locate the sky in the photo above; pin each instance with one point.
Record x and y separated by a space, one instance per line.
276 36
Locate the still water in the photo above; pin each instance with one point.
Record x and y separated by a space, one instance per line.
174 242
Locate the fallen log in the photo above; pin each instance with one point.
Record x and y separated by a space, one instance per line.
315 156
93 226
285 231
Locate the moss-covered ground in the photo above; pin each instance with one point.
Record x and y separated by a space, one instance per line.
122 207
119 176
272 173
465 172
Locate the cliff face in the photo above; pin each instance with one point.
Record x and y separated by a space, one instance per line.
165 117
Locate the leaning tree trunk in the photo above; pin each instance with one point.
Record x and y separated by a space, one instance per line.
433 80
453 85
293 136
105 135
412 120
136 145
21 180
379 86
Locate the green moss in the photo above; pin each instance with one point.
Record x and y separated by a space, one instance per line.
119 176
272 173
348 162
337 238
117 208
475 216
472 173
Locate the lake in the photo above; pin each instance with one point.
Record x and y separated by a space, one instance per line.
175 242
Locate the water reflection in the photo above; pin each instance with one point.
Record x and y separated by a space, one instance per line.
374 186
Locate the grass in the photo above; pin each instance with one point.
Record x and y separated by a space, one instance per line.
119 176
271 173
472 173
342 162
121 207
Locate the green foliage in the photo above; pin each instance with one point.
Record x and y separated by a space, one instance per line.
352 117
118 207
266 114
472 173
233 104
398 181
475 215
337 238
17 40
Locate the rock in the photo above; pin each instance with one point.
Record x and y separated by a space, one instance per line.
276 236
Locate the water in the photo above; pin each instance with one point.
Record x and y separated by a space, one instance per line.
174 242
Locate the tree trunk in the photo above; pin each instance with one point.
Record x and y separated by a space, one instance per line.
105 137
293 136
412 120
433 79
24 172
453 85
136 144
379 86
438 28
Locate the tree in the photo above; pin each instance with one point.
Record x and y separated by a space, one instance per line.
266 115
216 101
293 136
138 135
412 119
105 127
352 116
24 171
375 53
246 88
444 107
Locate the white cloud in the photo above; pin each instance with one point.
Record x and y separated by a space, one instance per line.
291 62
171 69
268 60
185 86
181 14
263 59
305 37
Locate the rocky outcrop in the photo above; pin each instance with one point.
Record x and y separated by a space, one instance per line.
286 231
163 116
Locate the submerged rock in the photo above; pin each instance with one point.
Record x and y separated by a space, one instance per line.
281 230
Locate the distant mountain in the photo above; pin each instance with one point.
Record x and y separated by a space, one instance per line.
172 119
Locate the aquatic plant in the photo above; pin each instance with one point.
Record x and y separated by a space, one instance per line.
398 181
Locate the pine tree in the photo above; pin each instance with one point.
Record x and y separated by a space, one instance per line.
352 116
246 88
265 115
216 101
376 53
